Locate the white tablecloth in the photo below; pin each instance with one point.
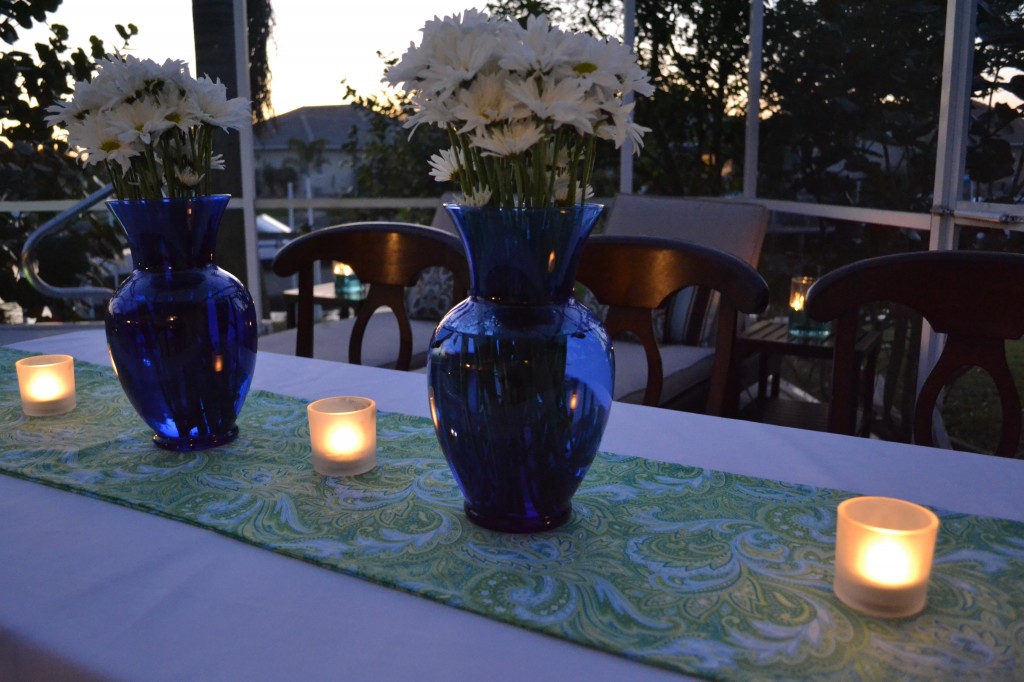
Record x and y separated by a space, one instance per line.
92 590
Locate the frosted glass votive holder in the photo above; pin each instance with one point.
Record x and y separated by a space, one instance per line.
343 435
884 551
47 384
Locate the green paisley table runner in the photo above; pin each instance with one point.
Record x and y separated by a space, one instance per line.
704 572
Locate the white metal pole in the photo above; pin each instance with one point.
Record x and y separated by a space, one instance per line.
626 151
753 127
309 209
953 121
949 162
248 161
291 205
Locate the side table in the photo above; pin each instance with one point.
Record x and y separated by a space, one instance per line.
323 294
772 341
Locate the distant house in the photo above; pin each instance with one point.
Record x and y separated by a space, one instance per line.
309 142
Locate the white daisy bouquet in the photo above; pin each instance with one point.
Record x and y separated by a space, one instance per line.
524 107
151 124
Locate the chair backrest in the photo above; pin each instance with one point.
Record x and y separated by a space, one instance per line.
387 256
976 298
634 276
737 228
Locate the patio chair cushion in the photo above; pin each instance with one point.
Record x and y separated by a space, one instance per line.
431 297
684 367
380 343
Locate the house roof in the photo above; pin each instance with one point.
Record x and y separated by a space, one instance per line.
331 123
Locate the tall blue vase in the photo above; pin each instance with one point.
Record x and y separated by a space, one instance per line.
520 374
181 331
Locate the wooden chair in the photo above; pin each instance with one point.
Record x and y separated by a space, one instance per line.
387 256
634 276
738 228
975 298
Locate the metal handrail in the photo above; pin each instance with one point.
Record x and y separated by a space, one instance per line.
29 265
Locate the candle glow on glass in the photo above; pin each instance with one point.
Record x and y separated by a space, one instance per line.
884 550
44 387
344 440
343 435
797 302
46 384
887 562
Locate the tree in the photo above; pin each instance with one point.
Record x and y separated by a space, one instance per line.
36 165
695 53
998 63
309 156
388 161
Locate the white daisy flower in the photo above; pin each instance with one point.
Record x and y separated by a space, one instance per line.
188 177
148 118
510 140
541 49
561 103
101 142
209 97
446 165
527 101
141 120
488 100
479 197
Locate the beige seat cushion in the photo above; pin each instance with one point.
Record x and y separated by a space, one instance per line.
683 366
380 342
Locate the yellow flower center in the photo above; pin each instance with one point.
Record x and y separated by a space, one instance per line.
584 68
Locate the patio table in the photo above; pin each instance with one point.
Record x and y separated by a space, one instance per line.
94 590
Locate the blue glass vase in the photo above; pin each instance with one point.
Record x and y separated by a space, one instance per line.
181 331
520 374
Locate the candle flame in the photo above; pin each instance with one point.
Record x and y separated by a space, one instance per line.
887 562
344 439
797 302
45 386
343 269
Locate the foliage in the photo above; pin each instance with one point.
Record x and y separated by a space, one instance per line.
995 125
851 88
852 93
695 55
308 156
260 19
388 161
36 166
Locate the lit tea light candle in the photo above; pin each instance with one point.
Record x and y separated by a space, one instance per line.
800 324
47 384
798 288
343 435
884 550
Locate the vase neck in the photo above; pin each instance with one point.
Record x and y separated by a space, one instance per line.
523 256
171 234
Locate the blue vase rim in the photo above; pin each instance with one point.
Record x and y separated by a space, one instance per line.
167 200
448 205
